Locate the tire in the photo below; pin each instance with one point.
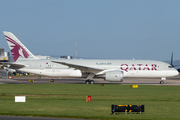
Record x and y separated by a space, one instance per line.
87 82
91 82
161 82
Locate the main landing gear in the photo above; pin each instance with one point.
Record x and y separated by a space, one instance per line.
89 82
90 77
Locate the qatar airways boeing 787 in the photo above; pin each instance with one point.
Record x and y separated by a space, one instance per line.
110 70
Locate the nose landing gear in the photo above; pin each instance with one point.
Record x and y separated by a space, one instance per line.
162 80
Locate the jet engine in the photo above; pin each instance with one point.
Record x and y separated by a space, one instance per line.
114 76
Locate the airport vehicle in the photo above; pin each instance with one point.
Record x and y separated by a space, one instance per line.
110 70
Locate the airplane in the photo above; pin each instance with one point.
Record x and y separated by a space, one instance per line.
110 70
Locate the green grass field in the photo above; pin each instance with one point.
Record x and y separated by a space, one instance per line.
69 101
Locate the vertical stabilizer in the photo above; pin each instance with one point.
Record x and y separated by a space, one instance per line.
18 50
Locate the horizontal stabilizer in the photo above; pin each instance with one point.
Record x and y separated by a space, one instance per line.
12 65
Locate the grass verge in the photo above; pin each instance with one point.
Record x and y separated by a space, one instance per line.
69 101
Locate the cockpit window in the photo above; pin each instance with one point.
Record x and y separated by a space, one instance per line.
170 66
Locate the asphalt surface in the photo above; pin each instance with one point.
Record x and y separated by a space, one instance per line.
47 80
32 118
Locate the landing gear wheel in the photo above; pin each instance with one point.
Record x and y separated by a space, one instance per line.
91 82
161 82
87 82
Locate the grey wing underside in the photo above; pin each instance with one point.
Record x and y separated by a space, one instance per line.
81 67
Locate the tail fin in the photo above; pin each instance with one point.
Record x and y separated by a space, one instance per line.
18 50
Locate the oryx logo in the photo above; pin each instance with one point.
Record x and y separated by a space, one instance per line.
16 49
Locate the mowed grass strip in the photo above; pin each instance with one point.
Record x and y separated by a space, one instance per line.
69 100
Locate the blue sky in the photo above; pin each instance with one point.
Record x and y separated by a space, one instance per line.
110 29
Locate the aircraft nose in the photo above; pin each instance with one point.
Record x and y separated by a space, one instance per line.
176 72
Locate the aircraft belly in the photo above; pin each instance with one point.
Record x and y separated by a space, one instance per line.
162 73
55 72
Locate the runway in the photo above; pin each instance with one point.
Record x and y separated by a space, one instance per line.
33 118
46 80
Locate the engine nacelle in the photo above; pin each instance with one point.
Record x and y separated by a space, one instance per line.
114 76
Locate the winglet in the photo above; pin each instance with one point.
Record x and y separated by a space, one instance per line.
18 50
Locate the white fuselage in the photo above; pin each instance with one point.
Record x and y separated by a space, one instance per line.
113 70
130 68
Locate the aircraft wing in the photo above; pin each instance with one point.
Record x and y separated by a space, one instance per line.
81 67
13 65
